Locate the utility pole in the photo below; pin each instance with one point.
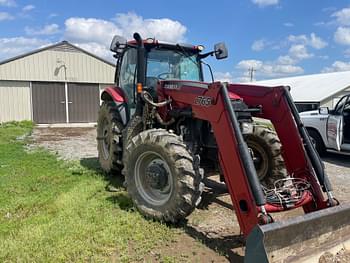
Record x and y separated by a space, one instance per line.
251 72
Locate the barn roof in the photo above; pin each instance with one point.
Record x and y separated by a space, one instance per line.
312 88
61 46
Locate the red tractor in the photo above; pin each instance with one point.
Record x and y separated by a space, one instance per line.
163 126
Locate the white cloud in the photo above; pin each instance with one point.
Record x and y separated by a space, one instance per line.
313 40
46 30
28 8
228 77
324 57
342 35
316 42
268 69
338 66
259 45
299 52
288 24
52 15
5 16
97 49
163 29
87 30
286 70
223 76
263 3
286 60
342 16
329 9
10 47
250 63
8 3
95 35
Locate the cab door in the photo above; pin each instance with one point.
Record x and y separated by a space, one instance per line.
335 125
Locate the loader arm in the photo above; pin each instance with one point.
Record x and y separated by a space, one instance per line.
286 241
211 105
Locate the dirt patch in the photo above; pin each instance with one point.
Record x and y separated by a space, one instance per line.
67 143
338 170
212 233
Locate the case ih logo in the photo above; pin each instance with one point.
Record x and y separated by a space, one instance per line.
171 86
203 101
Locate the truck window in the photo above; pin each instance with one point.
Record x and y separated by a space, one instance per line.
346 116
340 105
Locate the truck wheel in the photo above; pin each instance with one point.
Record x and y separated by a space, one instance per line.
109 138
160 176
266 151
317 142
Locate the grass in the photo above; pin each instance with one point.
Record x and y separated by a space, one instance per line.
54 211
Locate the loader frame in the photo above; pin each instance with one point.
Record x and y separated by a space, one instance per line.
213 105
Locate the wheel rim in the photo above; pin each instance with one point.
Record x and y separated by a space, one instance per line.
106 146
108 138
153 178
260 159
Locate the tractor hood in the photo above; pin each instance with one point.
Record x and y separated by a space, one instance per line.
178 84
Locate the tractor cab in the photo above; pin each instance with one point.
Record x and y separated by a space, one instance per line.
158 61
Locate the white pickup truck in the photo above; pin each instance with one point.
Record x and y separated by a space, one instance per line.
330 129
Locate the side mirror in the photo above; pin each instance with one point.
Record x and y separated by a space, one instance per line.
323 110
220 51
118 44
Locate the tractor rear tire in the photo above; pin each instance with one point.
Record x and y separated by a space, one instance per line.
109 138
161 177
266 148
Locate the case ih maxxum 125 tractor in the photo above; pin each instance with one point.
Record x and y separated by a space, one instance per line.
165 128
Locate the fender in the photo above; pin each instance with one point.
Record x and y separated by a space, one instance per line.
115 93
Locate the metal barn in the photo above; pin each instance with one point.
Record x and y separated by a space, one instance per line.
56 84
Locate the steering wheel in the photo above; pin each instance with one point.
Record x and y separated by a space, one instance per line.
164 75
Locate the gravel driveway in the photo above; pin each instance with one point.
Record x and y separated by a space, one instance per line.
214 222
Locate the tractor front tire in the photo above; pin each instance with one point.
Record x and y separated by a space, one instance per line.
109 138
161 177
267 157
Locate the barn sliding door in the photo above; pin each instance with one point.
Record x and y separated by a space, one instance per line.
49 102
83 102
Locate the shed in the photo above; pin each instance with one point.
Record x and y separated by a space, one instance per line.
59 83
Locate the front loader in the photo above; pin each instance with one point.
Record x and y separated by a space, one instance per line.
161 125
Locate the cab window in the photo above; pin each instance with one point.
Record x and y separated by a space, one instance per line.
128 73
171 64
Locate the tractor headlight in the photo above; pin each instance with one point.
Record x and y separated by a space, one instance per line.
246 127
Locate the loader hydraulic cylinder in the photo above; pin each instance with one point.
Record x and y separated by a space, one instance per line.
246 158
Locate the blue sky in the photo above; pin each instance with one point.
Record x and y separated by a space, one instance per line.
278 38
